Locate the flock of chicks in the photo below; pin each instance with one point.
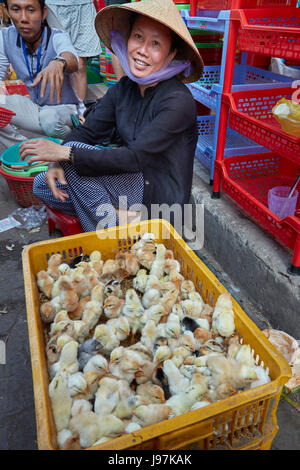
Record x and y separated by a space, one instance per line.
130 343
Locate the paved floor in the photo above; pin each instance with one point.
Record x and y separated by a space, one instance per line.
17 415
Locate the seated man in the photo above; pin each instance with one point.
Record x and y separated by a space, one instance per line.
44 59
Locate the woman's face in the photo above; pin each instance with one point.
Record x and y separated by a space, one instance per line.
149 47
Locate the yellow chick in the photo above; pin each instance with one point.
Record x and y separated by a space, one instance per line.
91 314
61 340
45 283
192 308
107 338
53 264
150 297
157 267
76 383
139 282
120 326
244 355
64 327
161 354
107 396
171 264
96 261
111 426
81 330
80 406
97 363
145 415
223 316
177 382
67 361
67 440
86 425
61 402
183 401
127 401
92 380
132 307
150 393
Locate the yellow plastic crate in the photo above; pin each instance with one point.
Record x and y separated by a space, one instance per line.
244 421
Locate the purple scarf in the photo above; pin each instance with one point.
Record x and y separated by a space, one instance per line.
174 68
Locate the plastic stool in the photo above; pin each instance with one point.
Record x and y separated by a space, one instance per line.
68 224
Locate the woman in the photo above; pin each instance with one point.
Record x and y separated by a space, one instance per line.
149 113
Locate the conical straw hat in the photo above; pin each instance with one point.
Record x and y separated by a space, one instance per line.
116 17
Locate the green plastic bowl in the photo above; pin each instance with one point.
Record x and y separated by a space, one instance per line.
11 156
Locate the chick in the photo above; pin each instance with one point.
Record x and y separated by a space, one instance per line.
262 377
111 426
228 370
223 316
77 313
48 310
113 287
113 306
67 294
96 261
80 283
61 402
67 440
157 267
107 337
76 383
81 330
92 380
150 297
173 326
125 364
162 353
143 352
177 382
53 264
148 334
87 350
179 355
107 396
132 307
184 400
187 286
128 261
86 425
244 355
169 299
145 415
45 283
201 336
93 309
127 401
140 280
97 363
150 393
80 406
192 308
64 327
120 326
154 313
176 278
170 264
67 361
132 427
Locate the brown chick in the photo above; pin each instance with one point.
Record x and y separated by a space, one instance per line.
77 313
127 260
53 264
81 284
71 442
48 310
68 296
201 335
45 283
112 307
92 380
150 393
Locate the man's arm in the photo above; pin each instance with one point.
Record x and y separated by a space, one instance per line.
4 62
55 70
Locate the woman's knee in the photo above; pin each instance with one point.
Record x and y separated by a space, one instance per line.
56 122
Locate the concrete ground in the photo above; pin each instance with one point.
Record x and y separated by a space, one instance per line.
250 264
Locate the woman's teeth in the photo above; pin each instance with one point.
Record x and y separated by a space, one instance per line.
139 62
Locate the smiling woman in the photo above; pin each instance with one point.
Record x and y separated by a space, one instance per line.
149 116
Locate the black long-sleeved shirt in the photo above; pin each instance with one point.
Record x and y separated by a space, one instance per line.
158 135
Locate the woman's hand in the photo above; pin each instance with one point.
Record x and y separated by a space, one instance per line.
56 172
44 150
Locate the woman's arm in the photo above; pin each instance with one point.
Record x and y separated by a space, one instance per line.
177 112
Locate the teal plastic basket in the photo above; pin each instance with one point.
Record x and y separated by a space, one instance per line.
11 156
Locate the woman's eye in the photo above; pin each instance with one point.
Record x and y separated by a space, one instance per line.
155 43
138 36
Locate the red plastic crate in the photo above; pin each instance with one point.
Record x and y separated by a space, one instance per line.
239 4
21 188
251 115
273 32
68 224
5 117
247 180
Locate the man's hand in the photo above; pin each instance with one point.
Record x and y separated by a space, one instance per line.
53 74
56 172
44 150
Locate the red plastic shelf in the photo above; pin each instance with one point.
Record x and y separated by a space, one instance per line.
251 115
274 31
240 4
247 180
5 117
